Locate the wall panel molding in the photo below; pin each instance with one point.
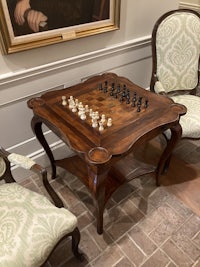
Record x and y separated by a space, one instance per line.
28 83
6 79
131 59
189 6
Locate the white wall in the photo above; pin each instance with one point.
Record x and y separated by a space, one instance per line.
192 2
27 74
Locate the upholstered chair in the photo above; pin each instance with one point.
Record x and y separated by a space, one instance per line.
175 72
31 226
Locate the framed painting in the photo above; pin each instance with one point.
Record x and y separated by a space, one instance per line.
27 24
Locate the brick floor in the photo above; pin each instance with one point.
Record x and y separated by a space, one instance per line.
144 225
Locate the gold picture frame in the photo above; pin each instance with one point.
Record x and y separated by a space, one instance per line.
83 20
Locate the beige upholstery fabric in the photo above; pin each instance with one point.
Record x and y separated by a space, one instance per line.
21 161
190 122
178 48
30 226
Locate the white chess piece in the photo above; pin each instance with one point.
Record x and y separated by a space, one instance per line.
80 109
82 115
109 122
90 112
74 108
64 101
103 118
97 114
76 102
101 128
71 102
86 108
94 122
80 105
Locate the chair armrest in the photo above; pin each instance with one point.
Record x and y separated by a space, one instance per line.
27 163
21 161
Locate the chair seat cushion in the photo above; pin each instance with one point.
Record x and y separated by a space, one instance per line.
30 226
190 122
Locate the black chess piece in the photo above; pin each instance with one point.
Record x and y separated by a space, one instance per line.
112 89
118 89
121 98
139 103
133 102
146 103
128 97
138 108
140 100
100 87
134 99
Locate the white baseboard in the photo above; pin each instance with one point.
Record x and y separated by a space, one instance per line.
59 149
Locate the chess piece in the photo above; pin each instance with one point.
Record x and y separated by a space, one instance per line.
74 108
100 87
90 112
71 102
76 102
80 105
109 122
64 101
146 103
101 128
82 115
80 108
138 107
103 118
97 115
94 122
86 108
128 97
106 87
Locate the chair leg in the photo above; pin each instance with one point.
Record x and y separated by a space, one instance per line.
75 243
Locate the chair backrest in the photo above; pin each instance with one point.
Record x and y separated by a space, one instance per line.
175 51
5 168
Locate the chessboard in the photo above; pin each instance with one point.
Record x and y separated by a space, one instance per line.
104 105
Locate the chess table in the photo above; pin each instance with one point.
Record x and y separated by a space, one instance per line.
104 159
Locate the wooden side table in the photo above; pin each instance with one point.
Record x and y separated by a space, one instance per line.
100 161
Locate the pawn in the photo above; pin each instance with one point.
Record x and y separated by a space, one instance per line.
97 114
87 108
109 122
64 101
103 118
90 112
94 123
74 108
101 128
83 116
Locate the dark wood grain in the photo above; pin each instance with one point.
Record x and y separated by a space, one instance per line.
101 157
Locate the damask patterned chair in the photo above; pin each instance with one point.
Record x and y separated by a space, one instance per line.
175 73
30 225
